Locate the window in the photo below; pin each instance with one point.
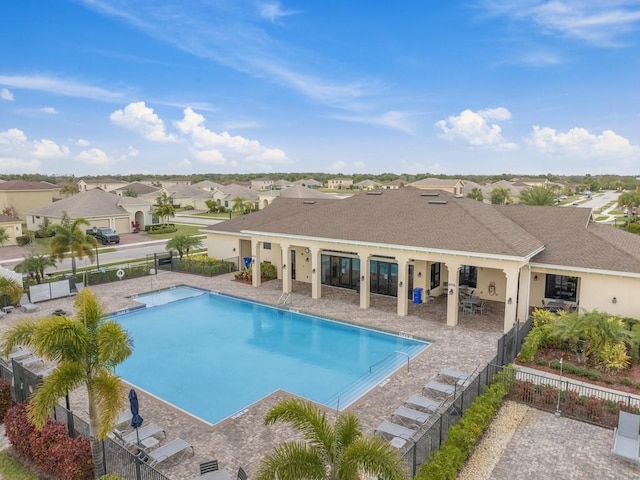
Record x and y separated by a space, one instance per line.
468 276
266 245
561 287
435 275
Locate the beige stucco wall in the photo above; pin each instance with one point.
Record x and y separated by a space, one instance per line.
14 230
25 201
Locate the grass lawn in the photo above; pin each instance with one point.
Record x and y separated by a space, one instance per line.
182 230
10 469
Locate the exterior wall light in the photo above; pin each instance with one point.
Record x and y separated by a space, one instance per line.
535 278
509 301
400 284
451 292
419 274
284 266
362 278
614 300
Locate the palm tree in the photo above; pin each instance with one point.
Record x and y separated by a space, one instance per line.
4 236
86 348
538 195
336 451
165 212
35 265
238 205
183 243
500 195
476 194
70 237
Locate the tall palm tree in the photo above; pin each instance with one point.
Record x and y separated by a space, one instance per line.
183 243
238 205
500 195
336 451
165 209
476 194
538 195
72 238
35 265
86 348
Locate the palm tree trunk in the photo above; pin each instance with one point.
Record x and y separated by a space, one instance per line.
73 263
97 453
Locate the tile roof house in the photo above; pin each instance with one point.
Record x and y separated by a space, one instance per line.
138 188
24 196
390 242
207 185
448 185
106 184
12 226
225 195
309 183
367 185
295 191
102 209
340 183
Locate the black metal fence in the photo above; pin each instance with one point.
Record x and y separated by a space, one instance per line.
117 458
433 434
207 267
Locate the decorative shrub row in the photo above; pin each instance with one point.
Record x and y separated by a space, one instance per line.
158 228
50 449
570 368
6 401
463 437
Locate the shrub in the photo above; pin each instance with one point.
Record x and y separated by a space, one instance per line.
268 270
613 357
204 259
189 207
626 381
18 429
159 228
536 338
6 401
111 476
24 240
540 361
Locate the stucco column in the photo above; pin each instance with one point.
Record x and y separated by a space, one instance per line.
451 292
403 284
524 293
510 297
286 267
256 277
316 285
365 296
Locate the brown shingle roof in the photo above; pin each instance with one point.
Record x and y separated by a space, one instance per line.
92 203
24 185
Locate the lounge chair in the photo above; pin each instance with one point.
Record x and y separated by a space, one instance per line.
124 417
26 304
423 402
415 416
144 432
439 390
453 376
210 466
626 437
166 451
395 430
242 475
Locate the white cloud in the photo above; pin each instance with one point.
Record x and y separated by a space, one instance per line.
81 142
19 165
13 135
94 157
49 149
272 11
184 164
579 143
393 119
220 148
477 129
131 152
6 95
68 88
49 110
141 119
338 166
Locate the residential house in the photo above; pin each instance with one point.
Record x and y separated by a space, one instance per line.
262 184
340 183
454 186
12 226
394 241
395 184
138 189
100 208
226 195
280 184
367 185
22 196
309 183
106 184
207 185
295 191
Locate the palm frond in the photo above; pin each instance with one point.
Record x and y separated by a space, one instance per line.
292 461
114 343
60 339
307 418
347 430
65 378
19 334
372 456
88 309
108 393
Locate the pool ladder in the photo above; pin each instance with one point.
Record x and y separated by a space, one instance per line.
284 298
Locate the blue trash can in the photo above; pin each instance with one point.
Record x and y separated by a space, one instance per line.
247 262
417 295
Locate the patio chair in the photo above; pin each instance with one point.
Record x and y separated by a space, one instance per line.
210 466
439 390
415 416
167 451
482 307
242 475
626 437
26 304
453 376
124 417
131 439
395 430
423 402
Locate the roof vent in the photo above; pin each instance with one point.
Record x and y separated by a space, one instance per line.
374 192
309 202
438 202
429 194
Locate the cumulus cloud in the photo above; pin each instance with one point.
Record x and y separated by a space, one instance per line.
49 110
141 119
272 11
131 152
94 157
19 165
222 148
81 142
478 129
49 149
13 135
579 142
16 153
6 95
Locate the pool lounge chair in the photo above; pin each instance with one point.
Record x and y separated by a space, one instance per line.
395 430
26 304
131 439
167 451
439 390
425 403
453 376
626 437
414 416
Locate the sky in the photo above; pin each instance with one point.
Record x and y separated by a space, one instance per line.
104 87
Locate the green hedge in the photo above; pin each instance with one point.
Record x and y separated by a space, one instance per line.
159 228
463 437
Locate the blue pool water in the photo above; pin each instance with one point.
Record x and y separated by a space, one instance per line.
214 355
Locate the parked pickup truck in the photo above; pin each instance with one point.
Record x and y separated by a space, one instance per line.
104 235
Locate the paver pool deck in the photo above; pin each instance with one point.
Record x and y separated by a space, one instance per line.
244 440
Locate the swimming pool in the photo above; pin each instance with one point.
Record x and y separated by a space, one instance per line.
213 355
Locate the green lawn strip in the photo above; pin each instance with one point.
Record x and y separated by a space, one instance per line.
12 470
602 218
182 230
